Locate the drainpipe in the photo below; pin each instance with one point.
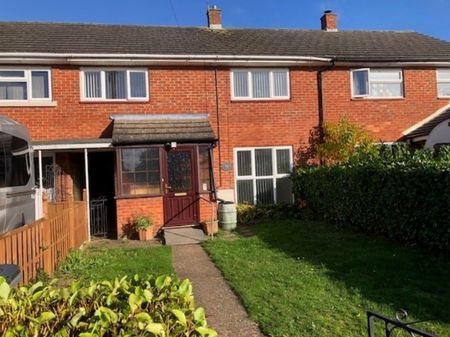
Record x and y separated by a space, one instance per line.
216 87
321 99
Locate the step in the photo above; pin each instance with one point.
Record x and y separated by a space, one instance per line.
183 236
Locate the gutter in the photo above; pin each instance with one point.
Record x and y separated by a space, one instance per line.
156 59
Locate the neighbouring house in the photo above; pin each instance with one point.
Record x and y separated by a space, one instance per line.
162 120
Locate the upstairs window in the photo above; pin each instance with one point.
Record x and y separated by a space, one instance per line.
25 84
114 84
377 83
260 84
443 82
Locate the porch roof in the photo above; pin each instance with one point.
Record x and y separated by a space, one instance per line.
152 129
424 127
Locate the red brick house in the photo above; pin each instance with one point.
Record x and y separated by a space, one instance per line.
160 120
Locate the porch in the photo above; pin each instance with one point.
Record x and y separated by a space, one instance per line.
160 167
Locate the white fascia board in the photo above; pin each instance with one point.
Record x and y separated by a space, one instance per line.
79 146
372 64
155 59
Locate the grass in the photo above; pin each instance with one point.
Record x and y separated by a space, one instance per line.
299 278
94 263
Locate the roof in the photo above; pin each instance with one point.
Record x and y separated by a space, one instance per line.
139 129
68 38
425 127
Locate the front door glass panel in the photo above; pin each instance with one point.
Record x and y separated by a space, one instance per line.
180 171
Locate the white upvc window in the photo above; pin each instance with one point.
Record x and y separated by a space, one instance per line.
443 82
25 84
114 84
263 175
377 83
260 84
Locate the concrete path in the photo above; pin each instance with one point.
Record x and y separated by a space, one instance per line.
224 311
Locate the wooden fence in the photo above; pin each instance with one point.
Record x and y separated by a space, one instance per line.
43 244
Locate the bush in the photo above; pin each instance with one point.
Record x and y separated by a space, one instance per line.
248 214
342 141
124 307
400 194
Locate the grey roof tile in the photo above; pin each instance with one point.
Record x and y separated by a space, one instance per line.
121 39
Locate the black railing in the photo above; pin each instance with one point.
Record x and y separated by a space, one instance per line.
392 325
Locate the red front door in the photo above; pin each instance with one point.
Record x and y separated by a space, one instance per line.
180 185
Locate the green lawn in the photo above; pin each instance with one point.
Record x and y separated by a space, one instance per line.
299 278
98 263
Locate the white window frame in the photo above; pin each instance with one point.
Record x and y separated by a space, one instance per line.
250 84
28 79
369 95
438 81
103 85
254 177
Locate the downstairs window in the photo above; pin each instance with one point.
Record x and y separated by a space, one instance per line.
263 175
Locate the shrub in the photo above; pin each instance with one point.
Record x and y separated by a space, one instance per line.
141 223
248 214
342 141
400 194
124 307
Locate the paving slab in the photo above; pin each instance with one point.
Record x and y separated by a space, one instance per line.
224 310
183 236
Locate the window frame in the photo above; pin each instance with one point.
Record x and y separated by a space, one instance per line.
119 172
28 80
275 175
369 95
103 98
438 81
250 84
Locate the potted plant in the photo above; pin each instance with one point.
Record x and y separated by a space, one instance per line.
210 227
142 225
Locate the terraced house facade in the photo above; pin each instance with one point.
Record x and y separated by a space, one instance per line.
162 121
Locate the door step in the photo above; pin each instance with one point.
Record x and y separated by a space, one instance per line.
183 236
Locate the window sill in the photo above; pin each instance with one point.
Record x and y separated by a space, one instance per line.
115 101
29 104
259 100
377 98
444 97
142 196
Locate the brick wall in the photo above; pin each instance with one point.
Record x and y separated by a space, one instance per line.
384 118
127 209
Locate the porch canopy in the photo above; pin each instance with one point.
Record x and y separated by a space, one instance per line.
433 130
156 129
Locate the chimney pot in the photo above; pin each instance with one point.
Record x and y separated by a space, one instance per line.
214 15
329 21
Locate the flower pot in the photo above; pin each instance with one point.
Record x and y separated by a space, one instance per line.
210 228
146 234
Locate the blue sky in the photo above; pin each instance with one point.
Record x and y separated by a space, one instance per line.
425 16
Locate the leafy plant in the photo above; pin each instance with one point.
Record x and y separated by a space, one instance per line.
141 223
248 214
343 140
399 193
135 306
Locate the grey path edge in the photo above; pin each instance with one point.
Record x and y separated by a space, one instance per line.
224 311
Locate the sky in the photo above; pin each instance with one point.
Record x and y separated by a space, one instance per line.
426 16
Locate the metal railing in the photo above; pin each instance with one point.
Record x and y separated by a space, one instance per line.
398 323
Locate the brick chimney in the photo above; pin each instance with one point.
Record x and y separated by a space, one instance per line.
329 21
214 15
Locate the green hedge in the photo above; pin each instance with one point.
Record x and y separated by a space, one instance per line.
124 307
402 195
